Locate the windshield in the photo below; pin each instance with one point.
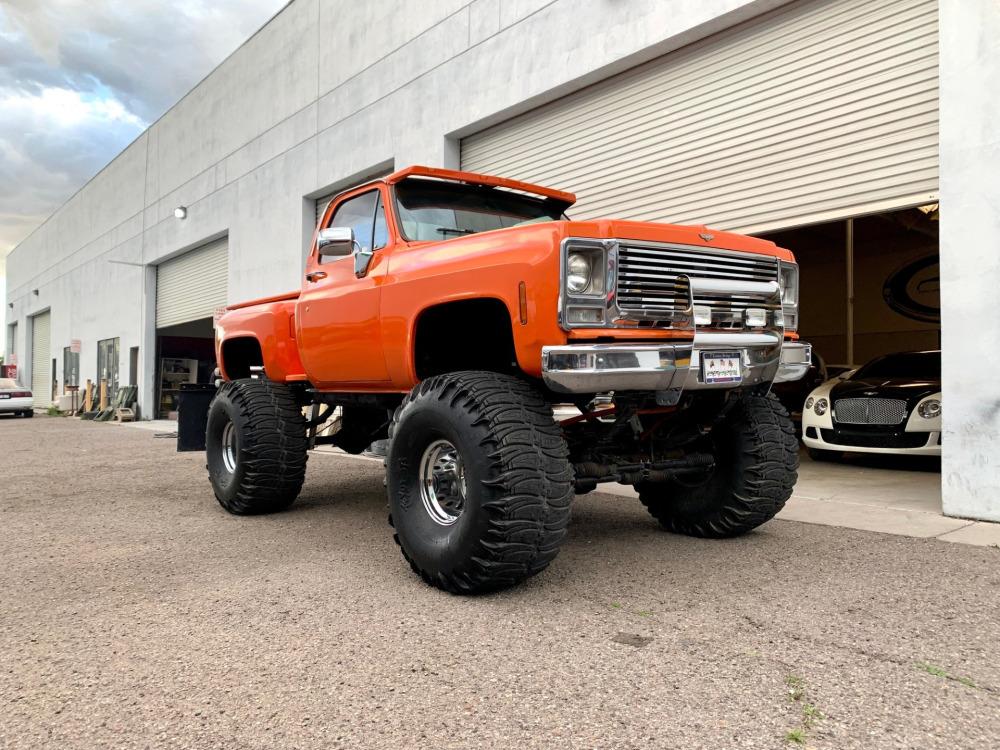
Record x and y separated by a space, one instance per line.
911 366
6 384
434 210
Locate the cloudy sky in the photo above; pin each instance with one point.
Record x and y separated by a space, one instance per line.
80 79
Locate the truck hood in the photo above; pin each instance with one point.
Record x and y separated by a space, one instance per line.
677 234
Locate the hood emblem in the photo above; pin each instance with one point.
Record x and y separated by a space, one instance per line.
870 393
707 236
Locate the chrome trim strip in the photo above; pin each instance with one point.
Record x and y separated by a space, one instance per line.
598 368
796 358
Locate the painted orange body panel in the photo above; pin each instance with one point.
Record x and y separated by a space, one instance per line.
347 334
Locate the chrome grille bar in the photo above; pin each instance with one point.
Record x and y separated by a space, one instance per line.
649 288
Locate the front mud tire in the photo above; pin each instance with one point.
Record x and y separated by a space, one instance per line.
756 466
503 464
256 446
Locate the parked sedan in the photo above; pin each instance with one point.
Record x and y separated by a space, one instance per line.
890 405
14 399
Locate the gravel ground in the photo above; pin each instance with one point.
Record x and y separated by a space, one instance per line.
134 612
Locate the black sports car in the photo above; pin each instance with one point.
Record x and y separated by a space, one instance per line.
890 405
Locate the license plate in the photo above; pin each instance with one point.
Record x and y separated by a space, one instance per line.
721 367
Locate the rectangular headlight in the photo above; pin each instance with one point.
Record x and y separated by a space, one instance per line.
788 280
587 277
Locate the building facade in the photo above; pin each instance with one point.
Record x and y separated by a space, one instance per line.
841 128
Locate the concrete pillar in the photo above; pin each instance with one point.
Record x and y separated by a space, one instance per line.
148 407
970 263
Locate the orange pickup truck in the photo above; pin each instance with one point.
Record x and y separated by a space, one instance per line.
513 357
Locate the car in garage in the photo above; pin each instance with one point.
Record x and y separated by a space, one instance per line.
892 404
14 399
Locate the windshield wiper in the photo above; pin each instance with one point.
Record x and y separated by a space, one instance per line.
455 230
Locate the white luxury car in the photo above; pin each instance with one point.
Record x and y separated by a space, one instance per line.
14 399
890 405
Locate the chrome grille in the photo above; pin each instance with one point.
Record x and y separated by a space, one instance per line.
648 288
888 411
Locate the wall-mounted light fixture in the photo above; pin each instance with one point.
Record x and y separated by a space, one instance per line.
180 212
35 292
10 305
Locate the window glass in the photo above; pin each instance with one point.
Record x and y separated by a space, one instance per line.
358 213
71 367
107 363
910 365
434 210
381 235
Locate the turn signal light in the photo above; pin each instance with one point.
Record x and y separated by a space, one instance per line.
593 315
755 317
702 315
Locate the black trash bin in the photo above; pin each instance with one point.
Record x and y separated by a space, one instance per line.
192 415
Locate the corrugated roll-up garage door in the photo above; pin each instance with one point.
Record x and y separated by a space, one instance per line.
192 286
41 367
814 112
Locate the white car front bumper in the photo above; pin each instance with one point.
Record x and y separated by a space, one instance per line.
913 443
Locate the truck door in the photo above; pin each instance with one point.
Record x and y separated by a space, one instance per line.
337 315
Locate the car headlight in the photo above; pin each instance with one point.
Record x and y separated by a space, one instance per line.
586 277
788 281
579 272
930 409
585 271
821 406
809 402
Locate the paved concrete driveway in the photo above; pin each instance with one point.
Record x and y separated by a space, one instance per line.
136 613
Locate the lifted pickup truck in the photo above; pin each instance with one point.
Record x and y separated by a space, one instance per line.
513 357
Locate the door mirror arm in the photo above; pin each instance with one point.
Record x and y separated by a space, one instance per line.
362 259
338 242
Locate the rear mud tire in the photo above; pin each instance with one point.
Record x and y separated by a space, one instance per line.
756 467
515 473
256 446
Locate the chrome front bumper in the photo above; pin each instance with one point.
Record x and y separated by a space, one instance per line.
671 368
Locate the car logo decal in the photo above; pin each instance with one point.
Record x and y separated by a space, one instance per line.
870 393
706 236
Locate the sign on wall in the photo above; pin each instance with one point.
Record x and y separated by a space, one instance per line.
913 290
75 346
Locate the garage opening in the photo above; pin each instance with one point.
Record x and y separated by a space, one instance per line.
41 372
190 289
869 285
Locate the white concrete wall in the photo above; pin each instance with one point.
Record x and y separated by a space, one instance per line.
970 256
325 92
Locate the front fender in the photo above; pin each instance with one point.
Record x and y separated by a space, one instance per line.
491 265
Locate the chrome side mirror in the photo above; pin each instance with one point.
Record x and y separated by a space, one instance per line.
336 241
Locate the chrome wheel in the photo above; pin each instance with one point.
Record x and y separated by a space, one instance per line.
229 448
442 482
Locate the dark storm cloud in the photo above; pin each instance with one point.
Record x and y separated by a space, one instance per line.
80 79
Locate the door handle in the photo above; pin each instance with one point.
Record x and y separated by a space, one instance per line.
315 275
